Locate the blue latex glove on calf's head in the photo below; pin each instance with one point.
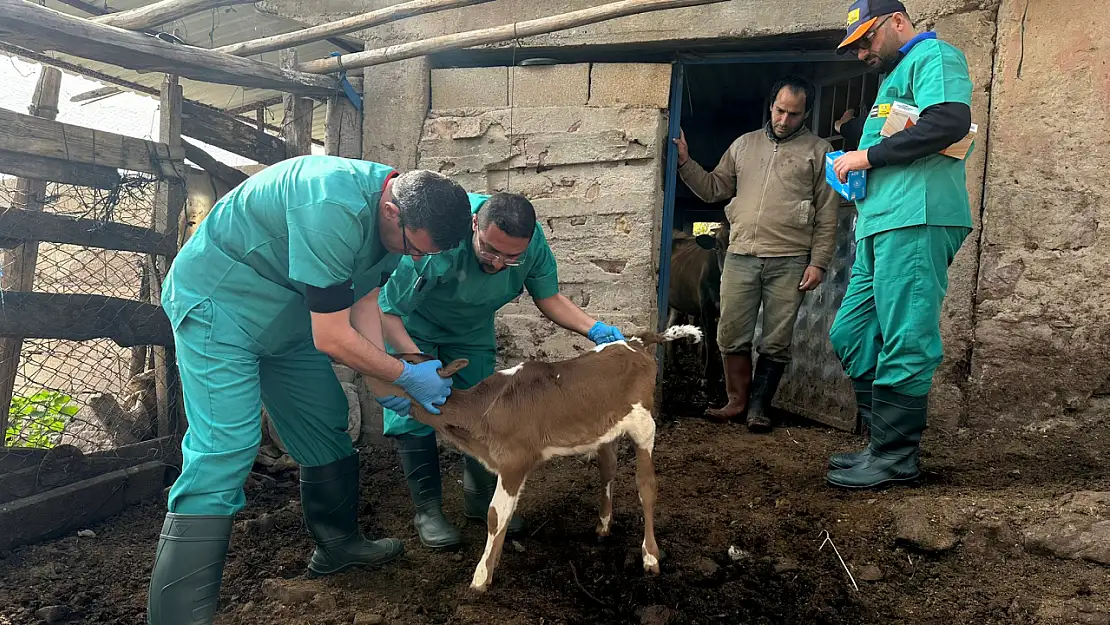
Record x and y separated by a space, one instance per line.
602 333
423 383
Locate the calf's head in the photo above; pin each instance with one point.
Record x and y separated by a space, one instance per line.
381 388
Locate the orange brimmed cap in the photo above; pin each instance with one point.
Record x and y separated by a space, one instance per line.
862 16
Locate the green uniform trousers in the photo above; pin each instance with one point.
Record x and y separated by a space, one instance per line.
225 383
888 325
482 360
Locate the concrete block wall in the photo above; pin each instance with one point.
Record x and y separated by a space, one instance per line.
584 142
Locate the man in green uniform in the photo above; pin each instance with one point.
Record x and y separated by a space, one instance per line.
445 306
283 273
910 225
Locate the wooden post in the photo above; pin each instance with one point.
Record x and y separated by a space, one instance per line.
343 126
296 128
169 202
19 263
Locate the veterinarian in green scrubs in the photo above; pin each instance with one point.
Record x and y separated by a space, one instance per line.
445 306
282 274
910 225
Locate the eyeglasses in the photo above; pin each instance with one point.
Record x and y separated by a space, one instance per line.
487 253
408 248
864 42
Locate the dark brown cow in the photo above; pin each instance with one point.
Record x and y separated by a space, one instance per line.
695 291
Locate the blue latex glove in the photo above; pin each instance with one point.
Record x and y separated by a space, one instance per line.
602 333
423 383
400 405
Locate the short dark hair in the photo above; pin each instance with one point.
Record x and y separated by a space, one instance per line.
796 84
434 203
512 213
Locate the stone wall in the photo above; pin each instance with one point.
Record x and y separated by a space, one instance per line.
1042 331
584 143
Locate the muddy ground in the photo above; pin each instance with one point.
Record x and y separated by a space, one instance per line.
954 550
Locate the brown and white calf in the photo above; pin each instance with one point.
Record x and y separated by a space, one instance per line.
520 417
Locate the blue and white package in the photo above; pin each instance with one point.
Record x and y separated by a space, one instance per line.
855 188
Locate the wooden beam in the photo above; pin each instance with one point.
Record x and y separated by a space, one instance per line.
225 132
58 170
55 470
41 29
297 123
169 202
18 226
340 27
81 317
19 263
161 13
68 508
215 168
496 34
343 125
26 134
19 458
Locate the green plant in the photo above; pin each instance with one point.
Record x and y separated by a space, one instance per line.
38 420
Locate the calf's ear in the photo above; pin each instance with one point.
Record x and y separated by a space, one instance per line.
454 367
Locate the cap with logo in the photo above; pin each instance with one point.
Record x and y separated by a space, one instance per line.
863 14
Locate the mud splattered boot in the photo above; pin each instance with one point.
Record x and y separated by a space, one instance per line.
188 570
329 499
768 374
897 422
738 380
420 462
478 487
863 405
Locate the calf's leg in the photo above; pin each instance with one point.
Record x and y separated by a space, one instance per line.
510 482
642 434
607 463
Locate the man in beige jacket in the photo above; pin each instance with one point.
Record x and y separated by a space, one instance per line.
782 218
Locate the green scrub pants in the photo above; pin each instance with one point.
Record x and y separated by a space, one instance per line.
225 382
888 325
482 360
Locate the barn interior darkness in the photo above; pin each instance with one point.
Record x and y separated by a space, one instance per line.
722 101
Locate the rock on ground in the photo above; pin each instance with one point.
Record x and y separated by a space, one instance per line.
928 524
1080 531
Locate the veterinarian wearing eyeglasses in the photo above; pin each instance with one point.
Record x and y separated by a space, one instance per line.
283 273
444 306
909 227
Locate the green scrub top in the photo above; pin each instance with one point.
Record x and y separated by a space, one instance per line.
447 299
308 220
932 190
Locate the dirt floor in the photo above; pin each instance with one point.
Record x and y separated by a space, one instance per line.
954 550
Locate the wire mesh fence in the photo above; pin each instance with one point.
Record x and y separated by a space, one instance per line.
91 394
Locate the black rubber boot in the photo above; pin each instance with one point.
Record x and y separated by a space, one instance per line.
863 405
478 487
188 570
329 498
897 422
768 374
420 462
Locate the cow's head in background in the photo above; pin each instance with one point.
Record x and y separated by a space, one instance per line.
716 241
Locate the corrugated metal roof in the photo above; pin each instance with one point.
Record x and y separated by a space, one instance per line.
211 29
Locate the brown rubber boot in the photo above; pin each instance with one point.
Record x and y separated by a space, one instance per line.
738 380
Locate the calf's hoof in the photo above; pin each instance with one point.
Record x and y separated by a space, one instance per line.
651 564
603 529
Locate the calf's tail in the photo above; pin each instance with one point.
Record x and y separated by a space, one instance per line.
672 333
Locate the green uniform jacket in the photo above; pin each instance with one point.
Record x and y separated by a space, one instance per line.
447 299
932 190
305 220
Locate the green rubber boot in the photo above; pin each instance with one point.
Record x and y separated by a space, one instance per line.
768 374
188 570
420 462
478 487
329 498
897 422
863 404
